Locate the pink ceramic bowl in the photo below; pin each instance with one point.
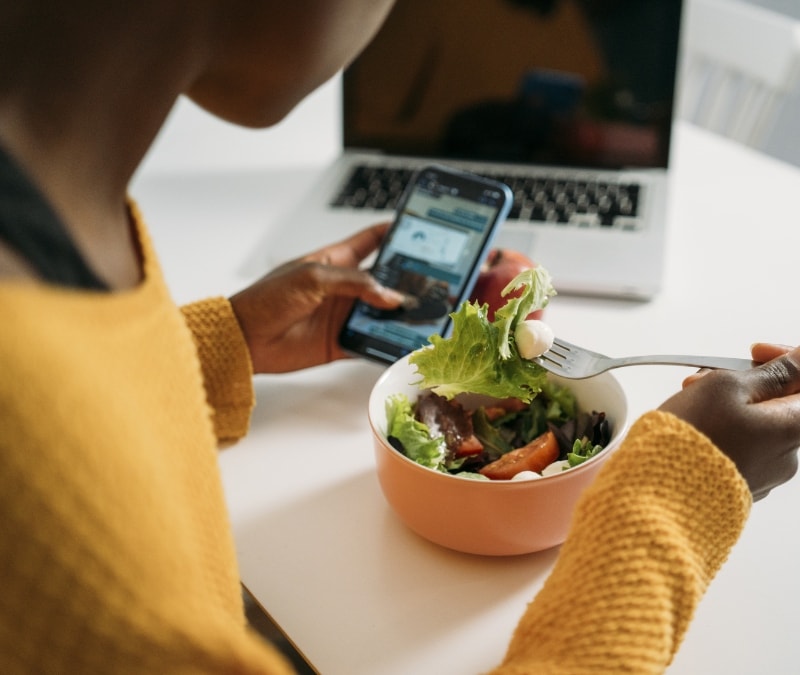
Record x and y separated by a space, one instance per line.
487 517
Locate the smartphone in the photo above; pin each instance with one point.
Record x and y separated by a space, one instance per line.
433 252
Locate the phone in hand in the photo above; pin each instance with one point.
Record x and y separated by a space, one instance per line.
432 253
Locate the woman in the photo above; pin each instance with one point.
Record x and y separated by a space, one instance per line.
116 553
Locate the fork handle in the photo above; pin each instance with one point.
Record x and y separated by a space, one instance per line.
722 362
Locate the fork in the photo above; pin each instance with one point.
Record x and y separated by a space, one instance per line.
576 363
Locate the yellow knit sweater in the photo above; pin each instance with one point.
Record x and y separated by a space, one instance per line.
115 550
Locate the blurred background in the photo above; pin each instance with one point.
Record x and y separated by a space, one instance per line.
192 140
784 141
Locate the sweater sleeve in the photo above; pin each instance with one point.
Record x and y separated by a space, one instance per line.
646 540
225 362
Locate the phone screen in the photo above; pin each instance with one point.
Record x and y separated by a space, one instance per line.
432 254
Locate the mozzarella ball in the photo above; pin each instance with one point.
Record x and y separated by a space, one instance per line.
525 475
555 467
533 338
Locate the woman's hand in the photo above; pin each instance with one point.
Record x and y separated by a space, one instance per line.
752 416
291 317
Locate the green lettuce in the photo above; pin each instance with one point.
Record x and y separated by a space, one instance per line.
582 450
413 435
537 289
481 357
562 405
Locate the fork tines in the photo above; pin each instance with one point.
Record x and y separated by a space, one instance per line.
557 356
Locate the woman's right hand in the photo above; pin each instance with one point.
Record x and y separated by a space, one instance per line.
752 416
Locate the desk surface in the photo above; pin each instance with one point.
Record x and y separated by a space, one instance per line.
318 547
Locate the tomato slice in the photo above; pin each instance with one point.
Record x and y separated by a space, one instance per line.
469 446
534 456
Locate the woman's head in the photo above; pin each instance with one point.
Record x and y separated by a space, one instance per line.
267 56
247 61
89 83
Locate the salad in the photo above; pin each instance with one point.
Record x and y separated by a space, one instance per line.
525 424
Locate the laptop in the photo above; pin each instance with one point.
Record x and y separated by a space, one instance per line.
569 102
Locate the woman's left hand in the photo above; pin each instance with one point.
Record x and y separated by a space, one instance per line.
292 316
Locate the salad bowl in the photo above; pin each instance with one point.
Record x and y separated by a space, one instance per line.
497 517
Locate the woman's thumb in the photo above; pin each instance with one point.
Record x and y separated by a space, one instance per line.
779 377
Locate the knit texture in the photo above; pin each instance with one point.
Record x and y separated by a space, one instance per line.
227 371
115 549
647 538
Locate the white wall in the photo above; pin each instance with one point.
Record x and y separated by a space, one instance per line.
788 7
194 140
784 142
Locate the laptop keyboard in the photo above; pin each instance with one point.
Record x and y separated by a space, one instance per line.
537 199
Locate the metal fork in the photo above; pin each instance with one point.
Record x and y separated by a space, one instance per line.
576 363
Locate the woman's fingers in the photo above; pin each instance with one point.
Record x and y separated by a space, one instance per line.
761 352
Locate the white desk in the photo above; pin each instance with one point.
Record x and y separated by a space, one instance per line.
319 548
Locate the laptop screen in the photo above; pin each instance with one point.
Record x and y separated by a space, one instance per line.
586 83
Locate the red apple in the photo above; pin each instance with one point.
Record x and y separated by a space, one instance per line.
501 266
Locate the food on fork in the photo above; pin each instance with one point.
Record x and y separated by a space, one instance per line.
533 338
501 266
482 355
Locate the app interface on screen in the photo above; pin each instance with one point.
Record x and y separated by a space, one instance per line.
430 258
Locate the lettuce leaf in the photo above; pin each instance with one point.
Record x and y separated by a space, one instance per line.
480 357
413 435
537 289
582 450
563 405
